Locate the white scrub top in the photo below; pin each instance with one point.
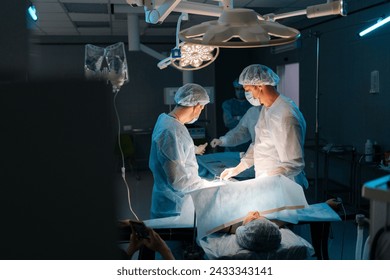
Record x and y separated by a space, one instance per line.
280 137
173 164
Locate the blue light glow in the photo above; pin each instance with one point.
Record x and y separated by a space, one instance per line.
33 12
375 26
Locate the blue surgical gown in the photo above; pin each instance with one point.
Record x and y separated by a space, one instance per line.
244 131
233 110
174 166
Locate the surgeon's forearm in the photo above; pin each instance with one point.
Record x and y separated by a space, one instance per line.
290 169
236 136
241 167
187 183
247 160
180 178
277 171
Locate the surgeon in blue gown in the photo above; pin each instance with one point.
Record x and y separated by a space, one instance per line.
172 156
244 132
235 108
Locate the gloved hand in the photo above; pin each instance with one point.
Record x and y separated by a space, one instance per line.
199 150
228 173
231 172
215 142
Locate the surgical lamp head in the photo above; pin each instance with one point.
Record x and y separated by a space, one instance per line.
257 75
191 95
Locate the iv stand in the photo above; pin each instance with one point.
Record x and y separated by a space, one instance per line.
317 137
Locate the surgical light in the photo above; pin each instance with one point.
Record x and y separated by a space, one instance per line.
189 56
192 57
235 28
375 26
239 28
32 12
195 55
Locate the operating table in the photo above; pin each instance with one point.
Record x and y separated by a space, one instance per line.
220 206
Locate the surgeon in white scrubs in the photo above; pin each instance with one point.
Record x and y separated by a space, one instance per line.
172 155
280 135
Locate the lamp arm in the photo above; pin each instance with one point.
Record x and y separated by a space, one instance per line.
156 11
320 10
199 9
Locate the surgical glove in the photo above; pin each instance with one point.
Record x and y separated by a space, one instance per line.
215 142
228 173
231 172
199 150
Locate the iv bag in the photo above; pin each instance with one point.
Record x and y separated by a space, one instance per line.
93 62
117 65
106 64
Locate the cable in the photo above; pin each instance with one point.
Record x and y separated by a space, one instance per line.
123 170
359 219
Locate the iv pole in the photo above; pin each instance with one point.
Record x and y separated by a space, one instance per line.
317 137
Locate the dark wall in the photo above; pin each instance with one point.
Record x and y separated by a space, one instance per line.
57 171
14 42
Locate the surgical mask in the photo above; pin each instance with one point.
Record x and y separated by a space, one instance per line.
251 99
192 121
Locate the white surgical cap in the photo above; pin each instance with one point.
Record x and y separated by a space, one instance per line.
257 74
259 235
191 95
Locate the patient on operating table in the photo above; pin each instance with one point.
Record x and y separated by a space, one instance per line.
257 233
256 238
252 215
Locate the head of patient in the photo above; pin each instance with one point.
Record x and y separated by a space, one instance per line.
257 233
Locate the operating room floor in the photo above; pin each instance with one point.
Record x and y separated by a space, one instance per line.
342 238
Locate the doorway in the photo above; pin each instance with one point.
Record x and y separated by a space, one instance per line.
289 81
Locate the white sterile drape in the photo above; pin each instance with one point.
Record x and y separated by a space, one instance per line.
275 197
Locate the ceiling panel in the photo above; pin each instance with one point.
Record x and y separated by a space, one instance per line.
45 18
95 31
89 17
49 7
57 24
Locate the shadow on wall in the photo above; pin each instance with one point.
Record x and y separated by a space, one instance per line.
58 167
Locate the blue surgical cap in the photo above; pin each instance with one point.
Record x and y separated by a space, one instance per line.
259 235
236 83
257 74
191 94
